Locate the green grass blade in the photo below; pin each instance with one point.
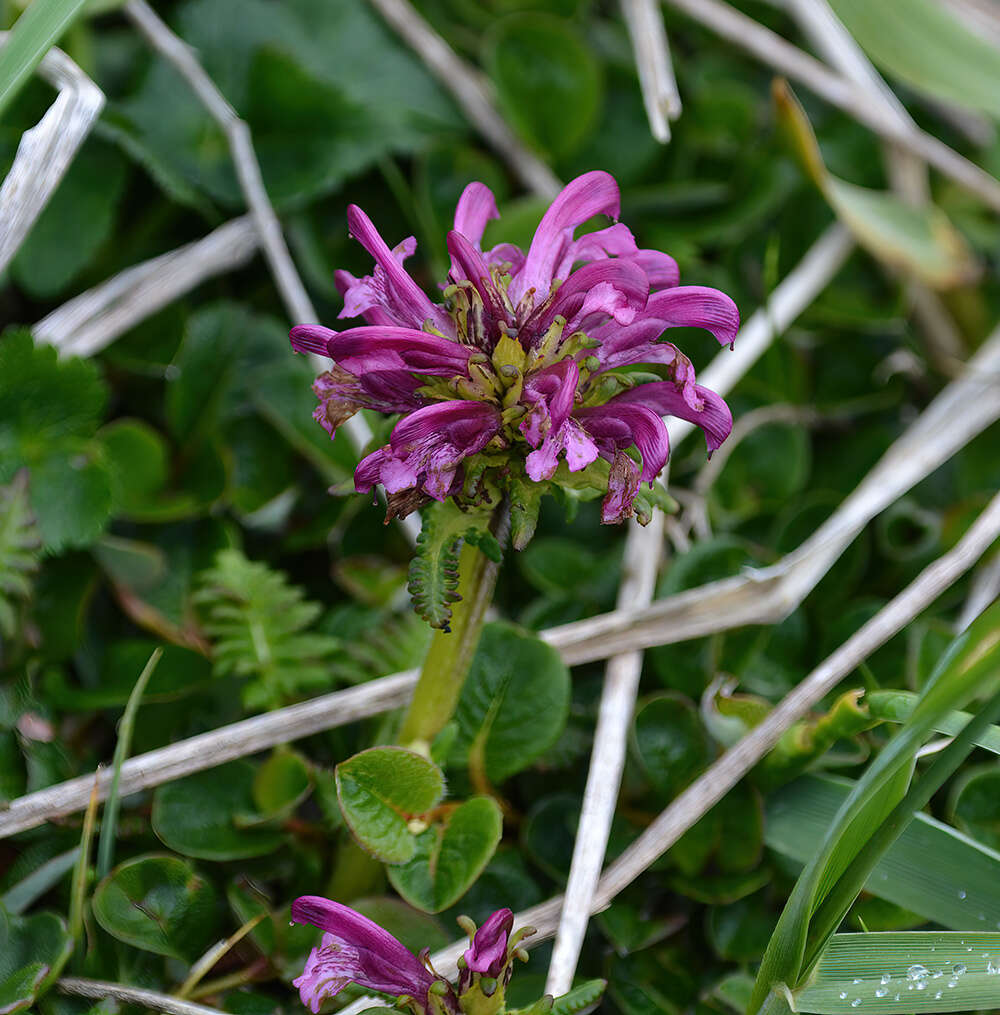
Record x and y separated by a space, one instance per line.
81 872
968 669
835 906
36 31
901 973
106 844
932 869
898 706
17 898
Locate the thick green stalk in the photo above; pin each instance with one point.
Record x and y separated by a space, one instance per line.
450 654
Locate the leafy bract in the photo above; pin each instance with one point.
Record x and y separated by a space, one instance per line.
433 581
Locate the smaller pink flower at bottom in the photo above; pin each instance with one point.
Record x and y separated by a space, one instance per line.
357 950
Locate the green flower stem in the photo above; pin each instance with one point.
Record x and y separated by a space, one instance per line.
450 654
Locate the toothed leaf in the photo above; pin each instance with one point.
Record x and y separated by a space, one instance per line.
19 545
433 583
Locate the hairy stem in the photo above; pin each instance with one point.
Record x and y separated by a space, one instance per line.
450 654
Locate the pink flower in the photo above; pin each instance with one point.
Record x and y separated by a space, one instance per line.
354 949
524 366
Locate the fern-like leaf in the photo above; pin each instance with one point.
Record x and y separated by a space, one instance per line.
19 546
433 579
258 623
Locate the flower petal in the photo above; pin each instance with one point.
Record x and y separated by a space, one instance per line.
475 208
408 303
381 348
489 944
347 925
661 269
594 193
666 399
467 263
427 446
616 240
549 393
696 306
580 451
623 485
614 287
618 424
311 338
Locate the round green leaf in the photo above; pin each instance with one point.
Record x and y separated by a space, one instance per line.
33 950
514 703
975 804
380 791
548 81
281 783
197 816
71 494
671 742
138 457
450 855
159 904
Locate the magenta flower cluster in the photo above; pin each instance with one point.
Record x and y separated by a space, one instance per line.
357 950
521 366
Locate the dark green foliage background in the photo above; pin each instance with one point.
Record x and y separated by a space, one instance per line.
192 435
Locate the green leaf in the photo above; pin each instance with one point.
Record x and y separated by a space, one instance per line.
226 351
43 878
434 574
19 543
902 973
35 32
281 783
259 626
525 502
33 951
197 816
159 904
74 225
109 823
670 742
48 414
513 705
547 78
450 855
381 791
71 493
582 998
829 881
917 239
139 462
898 706
300 74
931 869
928 46
18 990
974 804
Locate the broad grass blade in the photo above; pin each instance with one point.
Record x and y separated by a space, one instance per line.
913 972
35 32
